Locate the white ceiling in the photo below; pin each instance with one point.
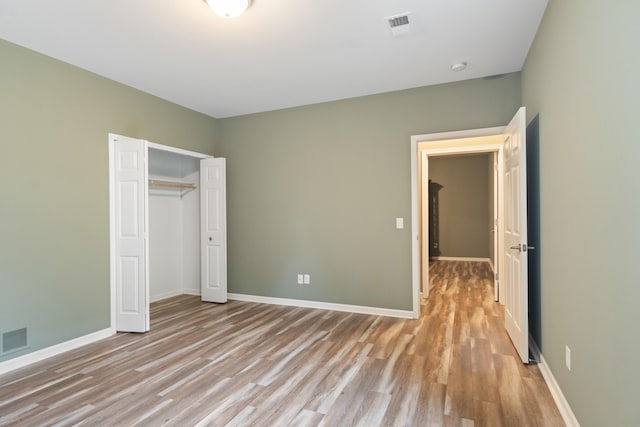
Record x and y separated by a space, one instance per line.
280 53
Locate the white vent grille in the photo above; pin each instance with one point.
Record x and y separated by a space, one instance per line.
399 24
400 20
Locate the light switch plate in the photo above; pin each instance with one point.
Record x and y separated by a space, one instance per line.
300 279
307 279
399 223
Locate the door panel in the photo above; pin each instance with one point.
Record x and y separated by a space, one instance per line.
129 188
213 230
515 235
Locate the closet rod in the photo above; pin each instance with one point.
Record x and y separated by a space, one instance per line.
180 185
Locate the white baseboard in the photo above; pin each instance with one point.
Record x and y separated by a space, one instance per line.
561 402
165 295
459 258
172 294
405 314
54 350
534 349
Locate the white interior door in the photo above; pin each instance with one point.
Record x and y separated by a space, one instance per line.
129 260
213 220
515 234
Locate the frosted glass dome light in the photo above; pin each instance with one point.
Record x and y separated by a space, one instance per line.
228 8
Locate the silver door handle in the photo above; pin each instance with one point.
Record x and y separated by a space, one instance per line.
523 247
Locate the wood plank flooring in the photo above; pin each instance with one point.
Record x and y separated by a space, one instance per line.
243 364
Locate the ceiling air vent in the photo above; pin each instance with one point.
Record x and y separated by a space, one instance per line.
399 24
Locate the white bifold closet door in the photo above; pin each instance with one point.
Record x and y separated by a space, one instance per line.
213 226
129 261
129 201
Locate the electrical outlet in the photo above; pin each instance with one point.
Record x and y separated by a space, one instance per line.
567 357
307 279
300 279
399 223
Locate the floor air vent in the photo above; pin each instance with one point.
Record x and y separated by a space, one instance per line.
13 340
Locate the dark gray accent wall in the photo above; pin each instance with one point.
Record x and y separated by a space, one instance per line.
54 213
581 78
463 204
533 229
317 189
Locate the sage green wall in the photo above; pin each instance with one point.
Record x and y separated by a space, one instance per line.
54 214
581 76
463 203
316 189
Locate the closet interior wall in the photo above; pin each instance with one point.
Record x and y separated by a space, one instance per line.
174 226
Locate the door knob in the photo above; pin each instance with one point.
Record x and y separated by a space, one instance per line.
523 247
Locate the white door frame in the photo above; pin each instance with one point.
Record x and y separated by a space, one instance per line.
112 230
497 177
459 148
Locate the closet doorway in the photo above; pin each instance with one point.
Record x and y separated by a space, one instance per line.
167 228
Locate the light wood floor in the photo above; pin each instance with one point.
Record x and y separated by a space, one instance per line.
251 364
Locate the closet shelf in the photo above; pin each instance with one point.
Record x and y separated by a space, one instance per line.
172 184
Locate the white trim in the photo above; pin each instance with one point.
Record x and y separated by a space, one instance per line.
112 232
172 294
458 134
424 219
556 392
415 209
460 258
415 230
493 268
147 276
463 149
54 350
166 295
377 311
535 350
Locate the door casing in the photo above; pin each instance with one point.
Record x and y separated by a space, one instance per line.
426 153
434 146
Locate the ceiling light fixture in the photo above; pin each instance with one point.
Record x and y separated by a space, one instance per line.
228 8
458 66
